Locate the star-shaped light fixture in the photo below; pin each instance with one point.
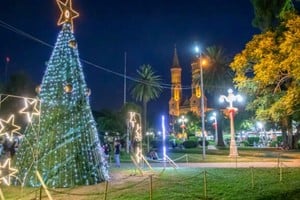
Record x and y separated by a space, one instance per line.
30 108
8 127
6 172
67 12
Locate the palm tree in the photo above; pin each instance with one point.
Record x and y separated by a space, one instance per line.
147 87
217 77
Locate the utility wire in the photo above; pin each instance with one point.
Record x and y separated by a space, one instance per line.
24 34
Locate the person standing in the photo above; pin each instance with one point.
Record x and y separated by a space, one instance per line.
106 150
117 153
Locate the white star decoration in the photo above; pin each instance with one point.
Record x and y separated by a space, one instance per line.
30 108
8 127
6 172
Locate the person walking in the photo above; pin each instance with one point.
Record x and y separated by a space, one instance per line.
117 153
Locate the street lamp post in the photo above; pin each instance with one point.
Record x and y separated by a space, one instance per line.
214 117
230 99
182 120
201 62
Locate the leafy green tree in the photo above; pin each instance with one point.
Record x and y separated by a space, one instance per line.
147 87
111 122
274 85
20 84
268 12
193 124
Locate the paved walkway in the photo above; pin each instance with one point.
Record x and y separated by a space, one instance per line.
292 163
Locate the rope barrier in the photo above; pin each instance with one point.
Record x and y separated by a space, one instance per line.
183 179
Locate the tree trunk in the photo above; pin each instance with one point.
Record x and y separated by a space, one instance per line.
287 132
144 128
296 137
220 132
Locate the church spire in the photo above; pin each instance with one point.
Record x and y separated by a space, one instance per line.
175 59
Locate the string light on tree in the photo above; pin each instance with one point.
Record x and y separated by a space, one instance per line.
67 149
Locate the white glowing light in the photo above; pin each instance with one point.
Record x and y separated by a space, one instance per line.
6 172
8 127
30 108
132 119
164 136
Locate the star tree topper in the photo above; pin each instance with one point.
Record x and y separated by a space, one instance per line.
67 12
6 172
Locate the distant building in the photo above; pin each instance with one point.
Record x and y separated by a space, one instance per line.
178 105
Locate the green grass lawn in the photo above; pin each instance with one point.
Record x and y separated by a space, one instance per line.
252 183
187 183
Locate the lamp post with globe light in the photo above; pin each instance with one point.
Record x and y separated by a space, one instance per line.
201 63
183 121
230 99
214 117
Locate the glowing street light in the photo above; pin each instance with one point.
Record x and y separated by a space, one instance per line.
230 99
201 63
214 117
183 121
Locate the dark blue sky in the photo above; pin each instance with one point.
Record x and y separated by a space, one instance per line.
146 30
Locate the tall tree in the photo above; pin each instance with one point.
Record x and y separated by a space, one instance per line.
20 84
147 87
268 13
217 75
274 86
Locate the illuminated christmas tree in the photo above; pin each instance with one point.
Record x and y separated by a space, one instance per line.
62 144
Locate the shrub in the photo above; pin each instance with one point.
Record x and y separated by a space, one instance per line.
189 144
201 142
251 140
244 143
194 138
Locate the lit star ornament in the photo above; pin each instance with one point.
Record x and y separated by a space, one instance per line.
6 172
8 127
30 108
67 13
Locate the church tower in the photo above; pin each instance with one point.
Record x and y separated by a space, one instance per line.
176 90
196 89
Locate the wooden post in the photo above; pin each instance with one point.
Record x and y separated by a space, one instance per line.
280 173
41 191
278 160
204 185
106 189
252 177
150 187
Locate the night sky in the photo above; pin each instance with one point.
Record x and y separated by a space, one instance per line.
146 30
